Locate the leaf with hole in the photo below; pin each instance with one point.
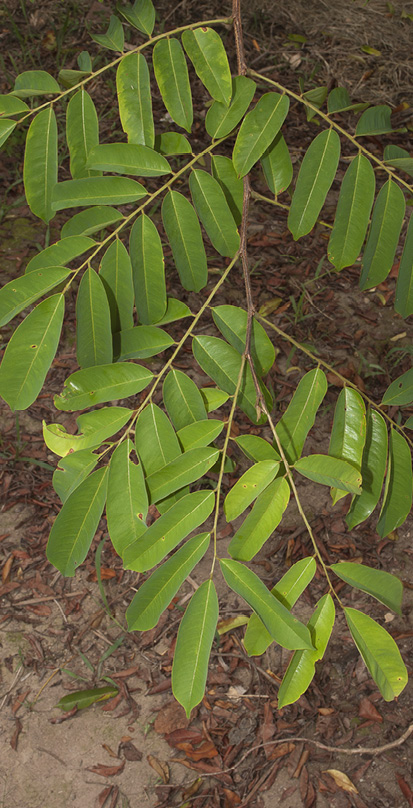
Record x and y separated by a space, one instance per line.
93 429
379 652
400 392
184 235
206 51
258 130
262 520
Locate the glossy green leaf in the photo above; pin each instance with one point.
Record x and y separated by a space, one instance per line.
256 448
30 353
168 531
128 158
258 130
213 398
316 97
171 74
156 593
80 699
6 128
400 392
398 158
340 101
40 164
232 323
224 172
185 469
182 399
287 591
155 439
403 303
381 585
93 429
127 499
379 652
353 212
330 471
301 669
35 82
170 143
398 487
193 647
206 51
374 121
22 292
72 470
221 119
141 15
184 235
163 505
82 133
214 212
199 433
96 385
314 180
115 272
10 105
148 270
348 434
386 225
96 191
76 524
175 310
249 486
93 332
262 520
277 166
91 221
70 78
84 61
141 342
373 467
294 426
134 98
60 253
114 38
283 627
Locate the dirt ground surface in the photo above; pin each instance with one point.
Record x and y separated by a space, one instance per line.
59 635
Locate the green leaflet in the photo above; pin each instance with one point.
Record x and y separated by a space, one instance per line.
193 647
199 433
404 289
294 426
91 221
213 398
82 133
155 439
127 500
386 225
148 270
400 392
379 652
10 105
182 399
96 385
114 38
40 164
224 172
171 74
96 191
301 669
256 448
399 158
70 78
374 121
93 428
115 273
22 292
277 166
6 128
93 332
60 253
258 130
330 471
185 469
214 212
80 699
76 524
340 101
283 627
141 15
156 593
72 470
381 585
166 533
207 53
34 82
30 353
232 323
175 310
184 235
348 434
373 467
315 178
288 589
398 487
128 158
134 98
221 119
261 521
352 215
141 342
249 486
170 143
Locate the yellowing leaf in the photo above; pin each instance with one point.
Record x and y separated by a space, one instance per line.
342 781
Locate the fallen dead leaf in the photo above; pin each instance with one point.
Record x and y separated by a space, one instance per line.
205 751
129 751
367 710
192 789
405 789
160 767
19 701
342 781
231 798
107 771
170 718
281 750
18 726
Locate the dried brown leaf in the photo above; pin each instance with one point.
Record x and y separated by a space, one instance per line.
107 771
160 767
